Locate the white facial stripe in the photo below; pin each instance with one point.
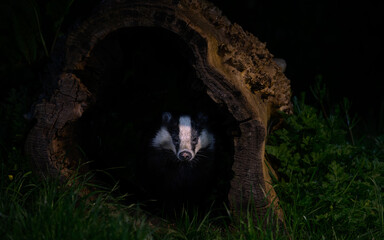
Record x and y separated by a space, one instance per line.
163 140
185 133
205 140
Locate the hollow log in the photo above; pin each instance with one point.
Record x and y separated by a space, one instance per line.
235 67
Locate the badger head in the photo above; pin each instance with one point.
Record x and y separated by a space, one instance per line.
184 136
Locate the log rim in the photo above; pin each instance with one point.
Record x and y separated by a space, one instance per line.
75 59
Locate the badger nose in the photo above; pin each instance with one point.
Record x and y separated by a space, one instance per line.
185 156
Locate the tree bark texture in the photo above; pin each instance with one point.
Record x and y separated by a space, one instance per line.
236 67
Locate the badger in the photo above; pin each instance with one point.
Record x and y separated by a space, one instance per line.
180 160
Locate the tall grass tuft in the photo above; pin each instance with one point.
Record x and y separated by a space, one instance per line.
47 209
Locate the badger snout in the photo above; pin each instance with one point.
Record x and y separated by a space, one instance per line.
185 155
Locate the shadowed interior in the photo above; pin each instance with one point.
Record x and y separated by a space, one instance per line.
135 75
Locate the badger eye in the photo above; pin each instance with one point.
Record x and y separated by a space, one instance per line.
194 140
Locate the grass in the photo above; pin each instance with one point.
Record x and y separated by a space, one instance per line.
32 209
49 210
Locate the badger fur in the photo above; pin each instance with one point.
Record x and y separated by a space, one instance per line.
180 159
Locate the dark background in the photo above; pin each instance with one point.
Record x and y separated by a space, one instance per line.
339 42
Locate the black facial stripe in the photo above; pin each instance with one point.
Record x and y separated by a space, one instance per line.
195 133
176 140
173 129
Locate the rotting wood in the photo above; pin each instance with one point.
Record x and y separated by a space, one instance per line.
235 66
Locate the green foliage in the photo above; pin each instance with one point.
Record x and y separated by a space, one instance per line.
330 186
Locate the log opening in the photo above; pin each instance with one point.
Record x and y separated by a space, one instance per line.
135 74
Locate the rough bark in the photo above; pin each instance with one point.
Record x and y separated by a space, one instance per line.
235 66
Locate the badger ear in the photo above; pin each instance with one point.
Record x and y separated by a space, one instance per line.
166 117
202 118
